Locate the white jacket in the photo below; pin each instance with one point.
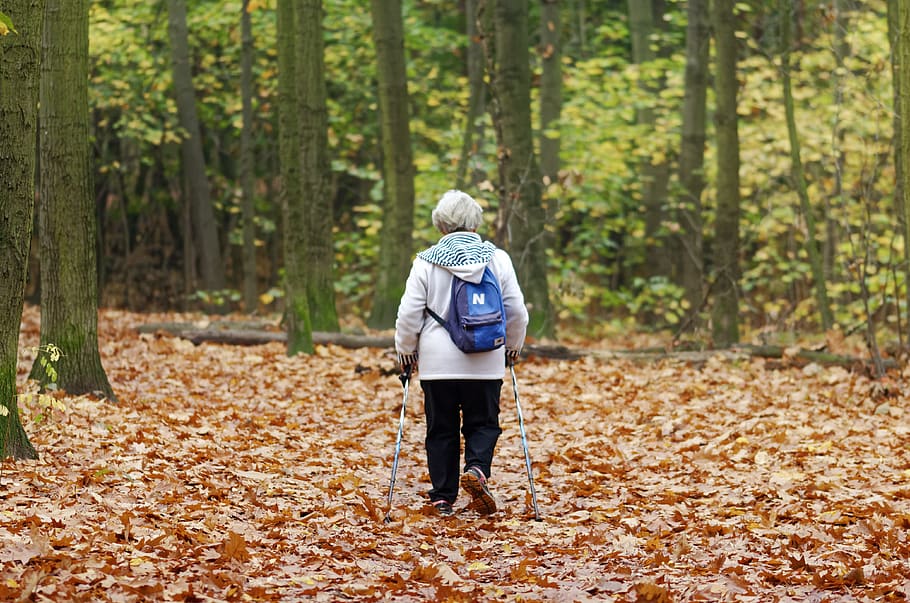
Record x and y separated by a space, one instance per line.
430 285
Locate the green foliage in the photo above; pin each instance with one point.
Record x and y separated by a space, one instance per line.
216 299
48 357
596 223
6 25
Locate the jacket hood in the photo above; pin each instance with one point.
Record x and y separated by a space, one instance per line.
464 254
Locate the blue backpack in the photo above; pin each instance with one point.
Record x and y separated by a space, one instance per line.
477 318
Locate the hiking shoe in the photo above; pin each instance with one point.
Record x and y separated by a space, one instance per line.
443 508
474 482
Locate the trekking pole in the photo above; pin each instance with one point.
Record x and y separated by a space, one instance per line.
405 381
524 443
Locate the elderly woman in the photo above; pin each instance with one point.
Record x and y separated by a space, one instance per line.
461 390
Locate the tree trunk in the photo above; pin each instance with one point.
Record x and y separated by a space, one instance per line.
205 230
67 227
395 245
477 102
841 50
550 90
799 178
654 173
899 34
521 219
19 81
297 312
580 31
692 159
725 312
247 161
315 171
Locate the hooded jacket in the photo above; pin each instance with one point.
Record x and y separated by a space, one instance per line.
429 284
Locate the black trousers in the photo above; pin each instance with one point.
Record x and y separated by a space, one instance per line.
474 407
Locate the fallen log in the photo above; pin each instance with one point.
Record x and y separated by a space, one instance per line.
230 333
247 334
804 356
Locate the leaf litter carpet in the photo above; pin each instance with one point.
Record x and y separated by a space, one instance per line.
239 474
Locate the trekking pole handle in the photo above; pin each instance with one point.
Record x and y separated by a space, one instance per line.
405 375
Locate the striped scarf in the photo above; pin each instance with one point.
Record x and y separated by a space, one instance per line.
459 249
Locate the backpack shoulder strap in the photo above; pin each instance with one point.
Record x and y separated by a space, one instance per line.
436 316
432 314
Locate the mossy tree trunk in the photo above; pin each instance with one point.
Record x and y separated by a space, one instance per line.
395 245
297 312
67 227
315 172
20 57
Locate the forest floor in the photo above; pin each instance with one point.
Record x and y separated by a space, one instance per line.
230 473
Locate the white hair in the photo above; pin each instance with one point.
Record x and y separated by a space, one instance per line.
457 210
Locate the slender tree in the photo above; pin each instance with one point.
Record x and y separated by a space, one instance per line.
550 89
247 161
20 56
395 246
841 51
521 224
198 193
725 311
68 230
899 35
297 312
315 172
477 100
799 177
654 172
692 159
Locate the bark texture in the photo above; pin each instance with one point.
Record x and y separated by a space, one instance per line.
396 246
692 159
315 171
19 81
247 161
198 194
550 89
521 220
477 101
68 230
297 312
901 45
725 311
655 173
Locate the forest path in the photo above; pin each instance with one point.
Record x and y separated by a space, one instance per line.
236 473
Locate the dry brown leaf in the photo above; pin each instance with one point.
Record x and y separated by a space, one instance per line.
230 472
